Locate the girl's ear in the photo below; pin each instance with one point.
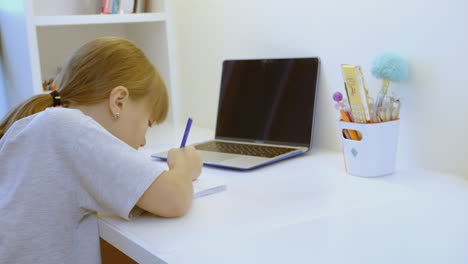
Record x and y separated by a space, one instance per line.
117 99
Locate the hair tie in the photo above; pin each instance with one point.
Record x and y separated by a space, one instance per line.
56 97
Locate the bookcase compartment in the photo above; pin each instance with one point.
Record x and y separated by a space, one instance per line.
87 7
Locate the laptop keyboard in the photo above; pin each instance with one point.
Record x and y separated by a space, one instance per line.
243 149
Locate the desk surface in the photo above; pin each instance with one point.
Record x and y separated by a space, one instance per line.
306 210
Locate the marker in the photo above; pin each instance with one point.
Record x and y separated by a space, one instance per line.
186 133
345 116
396 109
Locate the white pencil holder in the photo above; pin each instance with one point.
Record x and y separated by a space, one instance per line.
375 153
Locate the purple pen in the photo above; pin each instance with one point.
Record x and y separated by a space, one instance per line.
186 133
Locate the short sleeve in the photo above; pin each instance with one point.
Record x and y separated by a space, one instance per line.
112 175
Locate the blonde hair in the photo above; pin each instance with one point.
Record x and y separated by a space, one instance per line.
91 72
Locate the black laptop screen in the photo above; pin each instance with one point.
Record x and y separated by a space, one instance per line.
270 100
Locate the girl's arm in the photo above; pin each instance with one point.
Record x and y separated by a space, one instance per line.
171 194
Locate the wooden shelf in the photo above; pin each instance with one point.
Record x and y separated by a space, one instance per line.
44 21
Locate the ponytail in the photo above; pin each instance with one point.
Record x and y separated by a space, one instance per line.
29 107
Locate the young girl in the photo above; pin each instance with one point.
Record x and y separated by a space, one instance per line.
61 165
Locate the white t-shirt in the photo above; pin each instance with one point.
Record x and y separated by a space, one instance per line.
57 169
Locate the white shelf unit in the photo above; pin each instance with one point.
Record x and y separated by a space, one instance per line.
37 36
42 21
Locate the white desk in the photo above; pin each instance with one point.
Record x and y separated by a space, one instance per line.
306 210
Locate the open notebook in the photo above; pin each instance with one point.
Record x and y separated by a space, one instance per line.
205 186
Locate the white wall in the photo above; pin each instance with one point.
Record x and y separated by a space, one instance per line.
432 34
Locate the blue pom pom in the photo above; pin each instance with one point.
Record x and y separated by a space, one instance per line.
390 66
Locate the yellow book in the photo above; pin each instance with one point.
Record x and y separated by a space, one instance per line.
357 93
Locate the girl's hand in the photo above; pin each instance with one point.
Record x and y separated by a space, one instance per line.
186 160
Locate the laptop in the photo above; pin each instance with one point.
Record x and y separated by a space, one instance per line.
265 112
